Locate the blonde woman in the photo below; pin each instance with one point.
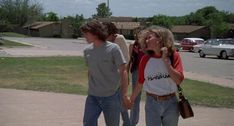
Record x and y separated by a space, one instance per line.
159 76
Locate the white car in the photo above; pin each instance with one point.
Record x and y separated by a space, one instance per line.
223 48
197 47
177 46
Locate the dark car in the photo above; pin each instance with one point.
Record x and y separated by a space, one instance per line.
188 43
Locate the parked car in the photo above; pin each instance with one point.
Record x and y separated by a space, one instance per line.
177 45
197 47
188 43
222 48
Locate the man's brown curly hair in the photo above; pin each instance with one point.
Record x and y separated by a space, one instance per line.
96 28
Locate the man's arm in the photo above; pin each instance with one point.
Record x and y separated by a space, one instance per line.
124 85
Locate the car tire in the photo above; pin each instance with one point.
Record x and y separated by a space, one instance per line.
224 55
201 54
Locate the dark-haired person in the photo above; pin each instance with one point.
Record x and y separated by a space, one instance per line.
136 53
106 74
159 76
113 36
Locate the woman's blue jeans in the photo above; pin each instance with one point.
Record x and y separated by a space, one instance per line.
163 113
110 106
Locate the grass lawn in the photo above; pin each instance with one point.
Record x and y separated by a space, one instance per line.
69 75
53 74
11 34
9 44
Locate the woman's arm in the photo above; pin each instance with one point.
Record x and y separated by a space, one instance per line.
135 92
175 70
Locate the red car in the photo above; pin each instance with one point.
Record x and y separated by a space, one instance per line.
188 43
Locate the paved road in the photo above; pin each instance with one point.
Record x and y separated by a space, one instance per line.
208 69
30 108
46 47
210 65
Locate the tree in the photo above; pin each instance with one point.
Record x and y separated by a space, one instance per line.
76 22
50 16
212 18
217 25
162 20
102 11
195 19
20 12
178 20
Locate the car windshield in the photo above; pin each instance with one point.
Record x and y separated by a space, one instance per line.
228 42
199 41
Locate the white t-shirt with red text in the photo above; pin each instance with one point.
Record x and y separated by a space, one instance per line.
154 75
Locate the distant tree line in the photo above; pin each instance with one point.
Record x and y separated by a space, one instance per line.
208 16
17 13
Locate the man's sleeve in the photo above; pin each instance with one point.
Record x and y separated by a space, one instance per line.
118 56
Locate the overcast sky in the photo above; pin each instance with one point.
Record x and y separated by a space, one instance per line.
134 8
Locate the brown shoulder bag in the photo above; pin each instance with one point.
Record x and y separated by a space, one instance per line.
184 106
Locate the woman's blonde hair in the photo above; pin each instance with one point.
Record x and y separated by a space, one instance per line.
165 35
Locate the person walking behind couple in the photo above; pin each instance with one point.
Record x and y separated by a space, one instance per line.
118 39
136 53
106 75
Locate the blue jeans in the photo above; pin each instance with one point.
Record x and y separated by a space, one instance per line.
135 110
110 106
163 113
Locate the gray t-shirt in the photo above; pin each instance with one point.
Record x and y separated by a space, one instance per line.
103 63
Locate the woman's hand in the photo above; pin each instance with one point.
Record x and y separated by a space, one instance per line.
164 54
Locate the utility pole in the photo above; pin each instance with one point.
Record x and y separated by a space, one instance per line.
108 7
108 4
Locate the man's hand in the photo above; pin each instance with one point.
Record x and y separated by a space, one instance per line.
126 102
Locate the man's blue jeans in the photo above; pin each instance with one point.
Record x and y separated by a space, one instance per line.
163 113
110 106
135 110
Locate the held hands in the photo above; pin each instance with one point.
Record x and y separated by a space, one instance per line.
127 102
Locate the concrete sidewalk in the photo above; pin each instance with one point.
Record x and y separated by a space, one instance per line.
32 108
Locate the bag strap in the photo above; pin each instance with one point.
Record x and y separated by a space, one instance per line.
180 90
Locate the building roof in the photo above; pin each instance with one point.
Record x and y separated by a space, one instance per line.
185 28
116 19
38 25
127 25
